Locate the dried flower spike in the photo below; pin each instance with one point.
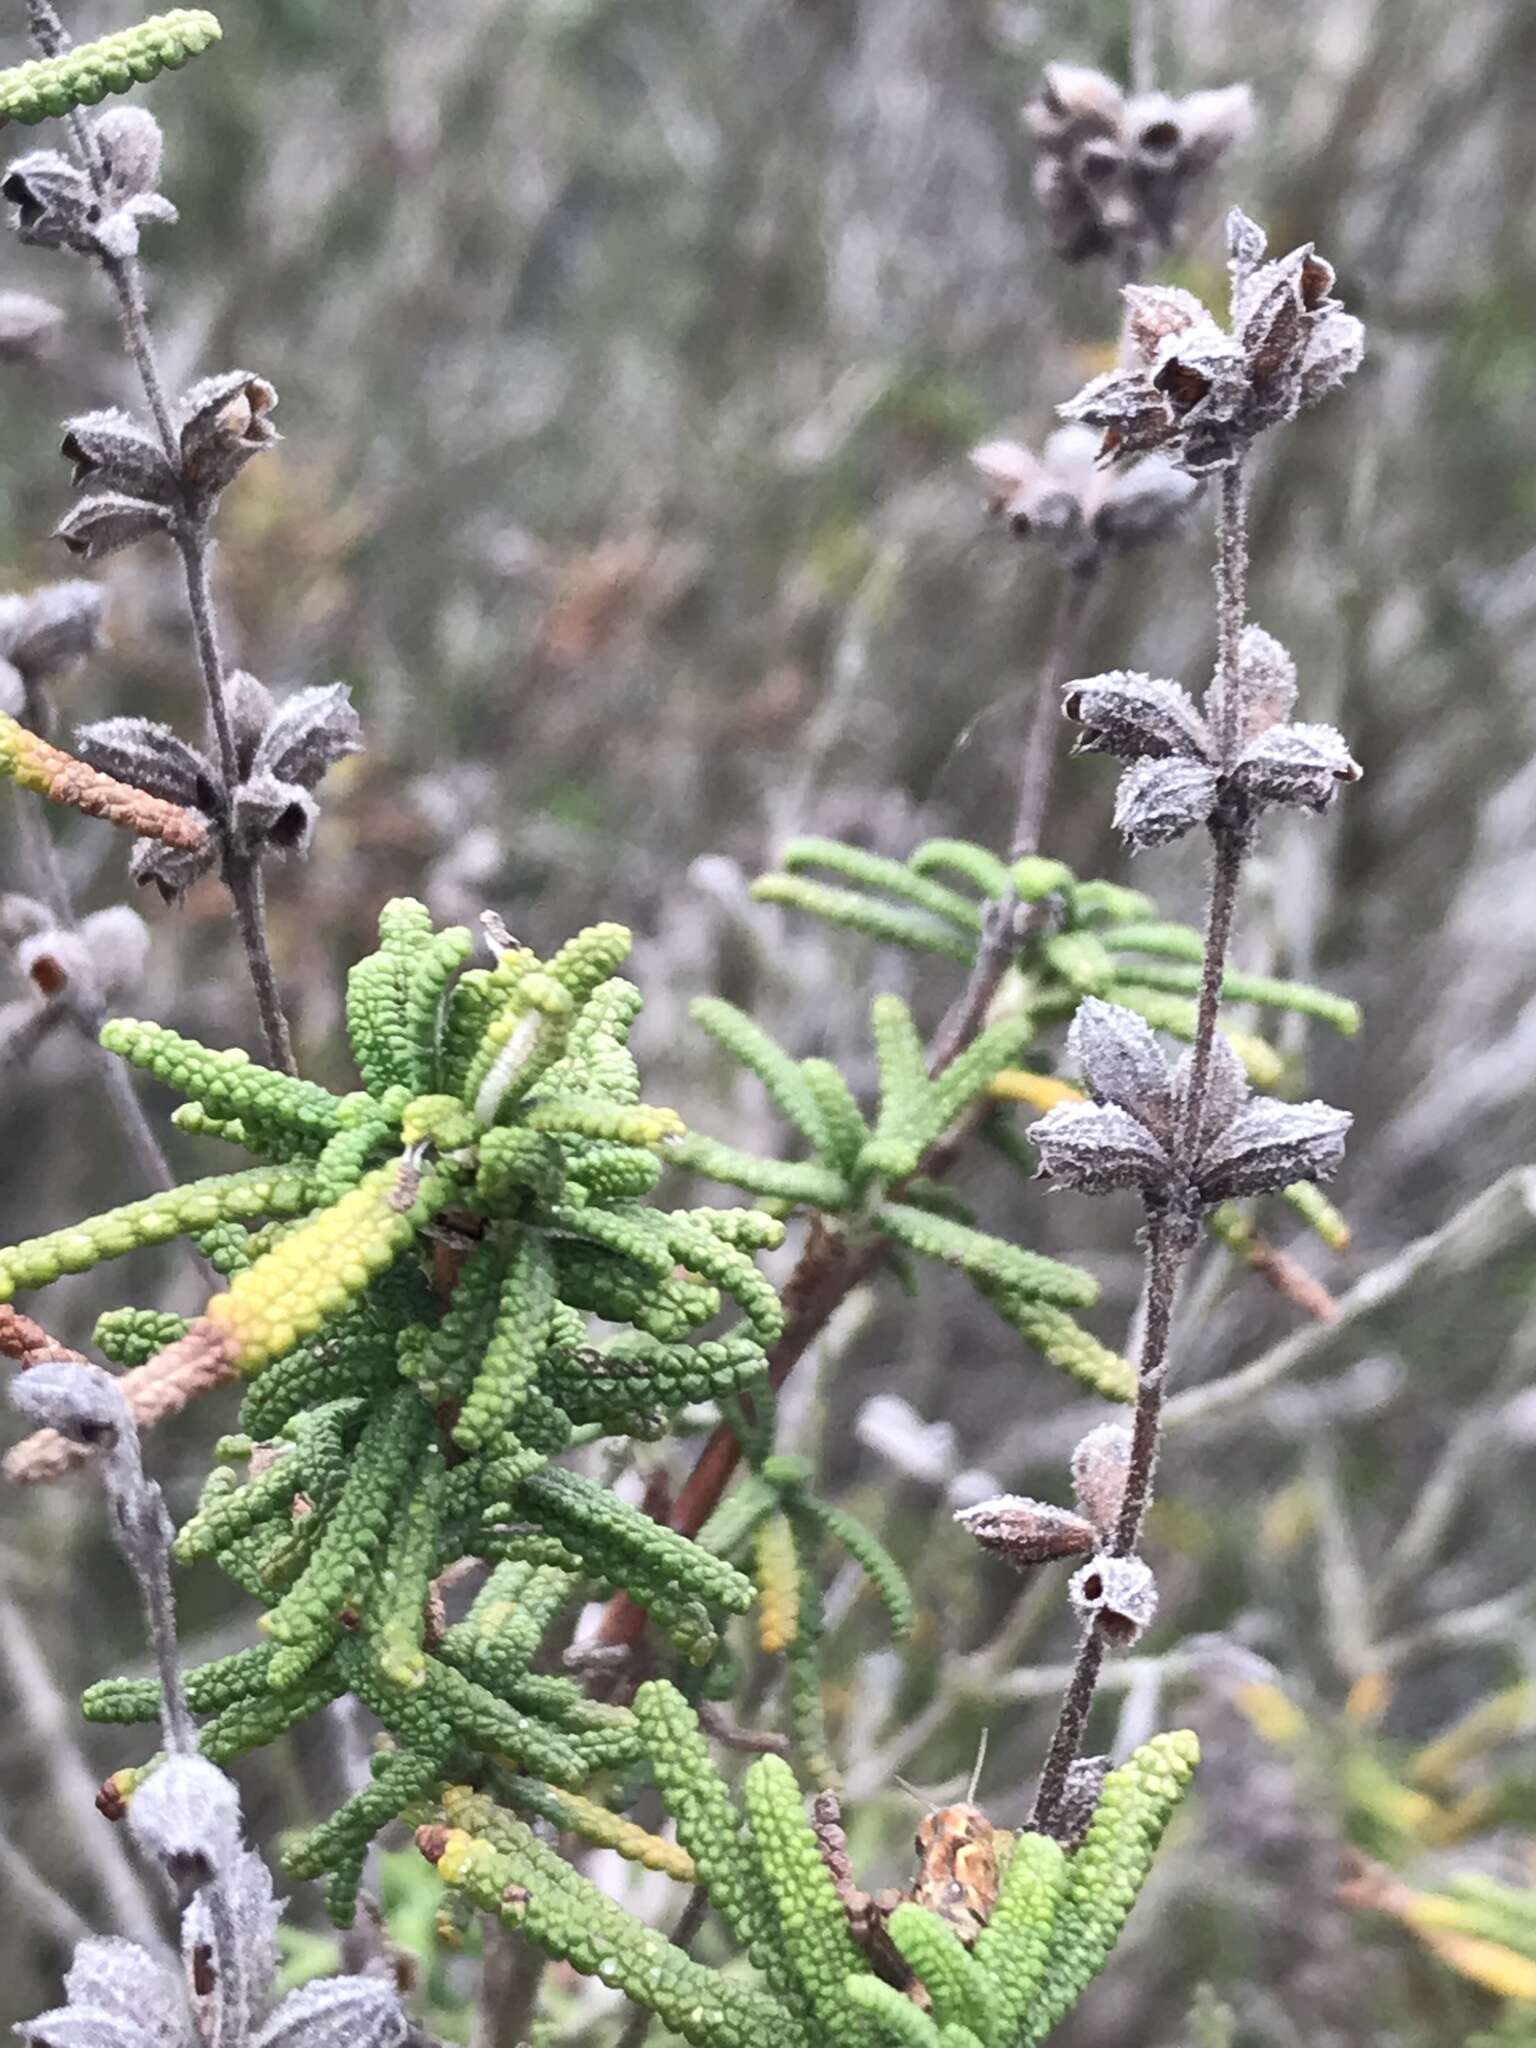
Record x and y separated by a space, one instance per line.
58 207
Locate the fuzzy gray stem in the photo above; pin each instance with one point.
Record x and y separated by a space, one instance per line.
1071 1720
1168 1244
249 892
241 874
50 1728
128 283
1229 842
137 1129
1036 774
46 28
1231 599
152 1564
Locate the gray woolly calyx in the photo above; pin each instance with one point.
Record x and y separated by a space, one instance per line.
1131 1135
282 752
1231 760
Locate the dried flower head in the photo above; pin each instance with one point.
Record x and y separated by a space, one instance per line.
1128 1136
1114 174
1235 760
282 751
119 1996
1200 392
1027 1532
1117 1593
185 1815
1080 510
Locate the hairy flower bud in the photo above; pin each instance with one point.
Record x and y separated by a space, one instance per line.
103 956
1119 1594
152 757
337 2012
46 630
1065 498
130 146
186 1817
1135 716
1161 800
1027 1532
1122 1061
1295 764
1099 1466
53 198
82 1402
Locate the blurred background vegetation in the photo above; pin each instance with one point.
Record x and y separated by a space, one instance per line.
629 354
